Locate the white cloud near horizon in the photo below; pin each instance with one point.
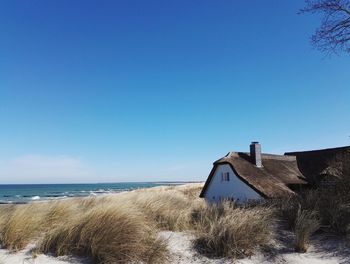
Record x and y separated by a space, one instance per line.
45 169
33 169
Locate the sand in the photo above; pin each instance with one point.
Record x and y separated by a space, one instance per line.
26 257
323 250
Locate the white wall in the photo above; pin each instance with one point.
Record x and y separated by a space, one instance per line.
234 188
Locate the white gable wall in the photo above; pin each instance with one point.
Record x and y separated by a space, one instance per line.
234 188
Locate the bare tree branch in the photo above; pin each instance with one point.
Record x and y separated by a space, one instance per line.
333 35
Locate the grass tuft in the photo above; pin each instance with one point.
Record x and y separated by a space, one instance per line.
307 222
108 234
20 225
227 231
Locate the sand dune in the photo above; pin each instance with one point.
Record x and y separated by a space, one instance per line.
167 207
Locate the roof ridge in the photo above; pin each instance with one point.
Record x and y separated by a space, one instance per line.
316 150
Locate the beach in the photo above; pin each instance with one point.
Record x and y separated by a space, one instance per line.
172 234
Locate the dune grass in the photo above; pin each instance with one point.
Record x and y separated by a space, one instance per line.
111 229
227 231
332 205
124 228
306 223
323 209
168 210
106 230
20 224
108 233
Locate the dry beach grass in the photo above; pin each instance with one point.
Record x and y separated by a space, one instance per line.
108 230
108 233
228 231
123 228
324 209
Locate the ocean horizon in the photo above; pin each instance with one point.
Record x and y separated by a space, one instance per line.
25 193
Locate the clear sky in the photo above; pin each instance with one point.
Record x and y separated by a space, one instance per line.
108 91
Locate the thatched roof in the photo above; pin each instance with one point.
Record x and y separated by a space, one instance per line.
316 164
271 180
281 173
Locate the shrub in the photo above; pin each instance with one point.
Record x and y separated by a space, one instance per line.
288 208
332 205
334 208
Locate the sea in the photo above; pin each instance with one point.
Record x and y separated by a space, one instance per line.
24 193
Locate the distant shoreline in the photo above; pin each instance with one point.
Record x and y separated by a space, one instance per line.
98 183
29 193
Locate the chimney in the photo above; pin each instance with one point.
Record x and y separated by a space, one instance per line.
255 154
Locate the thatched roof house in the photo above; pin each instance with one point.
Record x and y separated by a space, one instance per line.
252 175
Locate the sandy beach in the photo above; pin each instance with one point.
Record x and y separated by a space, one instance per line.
179 244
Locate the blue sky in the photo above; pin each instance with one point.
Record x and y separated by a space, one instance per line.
108 91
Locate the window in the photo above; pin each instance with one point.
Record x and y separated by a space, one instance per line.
225 176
